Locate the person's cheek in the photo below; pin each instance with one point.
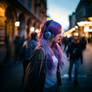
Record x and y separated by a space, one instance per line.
56 40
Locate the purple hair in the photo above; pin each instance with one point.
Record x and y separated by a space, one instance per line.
54 28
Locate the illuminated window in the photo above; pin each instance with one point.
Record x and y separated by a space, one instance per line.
2 12
90 27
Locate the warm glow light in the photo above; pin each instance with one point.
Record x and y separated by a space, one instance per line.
37 30
90 18
68 36
86 35
32 29
76 34
90 30
2 12
17 23
86 29
70 31
83 23
73 29
76 27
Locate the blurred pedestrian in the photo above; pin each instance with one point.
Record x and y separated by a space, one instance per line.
83 43
41 74
65 43
29 46
19 40
74 56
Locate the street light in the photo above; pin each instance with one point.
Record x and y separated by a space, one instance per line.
32 29
37 30
17 23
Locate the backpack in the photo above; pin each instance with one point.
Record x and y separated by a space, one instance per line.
35 72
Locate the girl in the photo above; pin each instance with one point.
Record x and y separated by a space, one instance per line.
41 73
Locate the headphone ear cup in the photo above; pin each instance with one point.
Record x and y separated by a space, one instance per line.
47 34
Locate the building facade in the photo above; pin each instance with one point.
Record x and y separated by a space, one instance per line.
82 19
72 20
84 16
16 19
83 10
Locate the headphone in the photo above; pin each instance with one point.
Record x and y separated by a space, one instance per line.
47 34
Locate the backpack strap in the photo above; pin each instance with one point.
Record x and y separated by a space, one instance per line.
43 60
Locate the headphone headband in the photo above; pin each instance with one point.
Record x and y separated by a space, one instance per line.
48 22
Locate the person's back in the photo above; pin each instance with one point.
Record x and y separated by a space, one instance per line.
31 44
28 47
74 51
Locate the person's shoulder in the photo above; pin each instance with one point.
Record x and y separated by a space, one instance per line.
39 54
39 50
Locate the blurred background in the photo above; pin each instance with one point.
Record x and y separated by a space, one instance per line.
19 18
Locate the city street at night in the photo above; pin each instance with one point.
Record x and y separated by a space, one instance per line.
85 74
45 45
12 74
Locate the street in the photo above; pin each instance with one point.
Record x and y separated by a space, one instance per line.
29 24
85 74
11 75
